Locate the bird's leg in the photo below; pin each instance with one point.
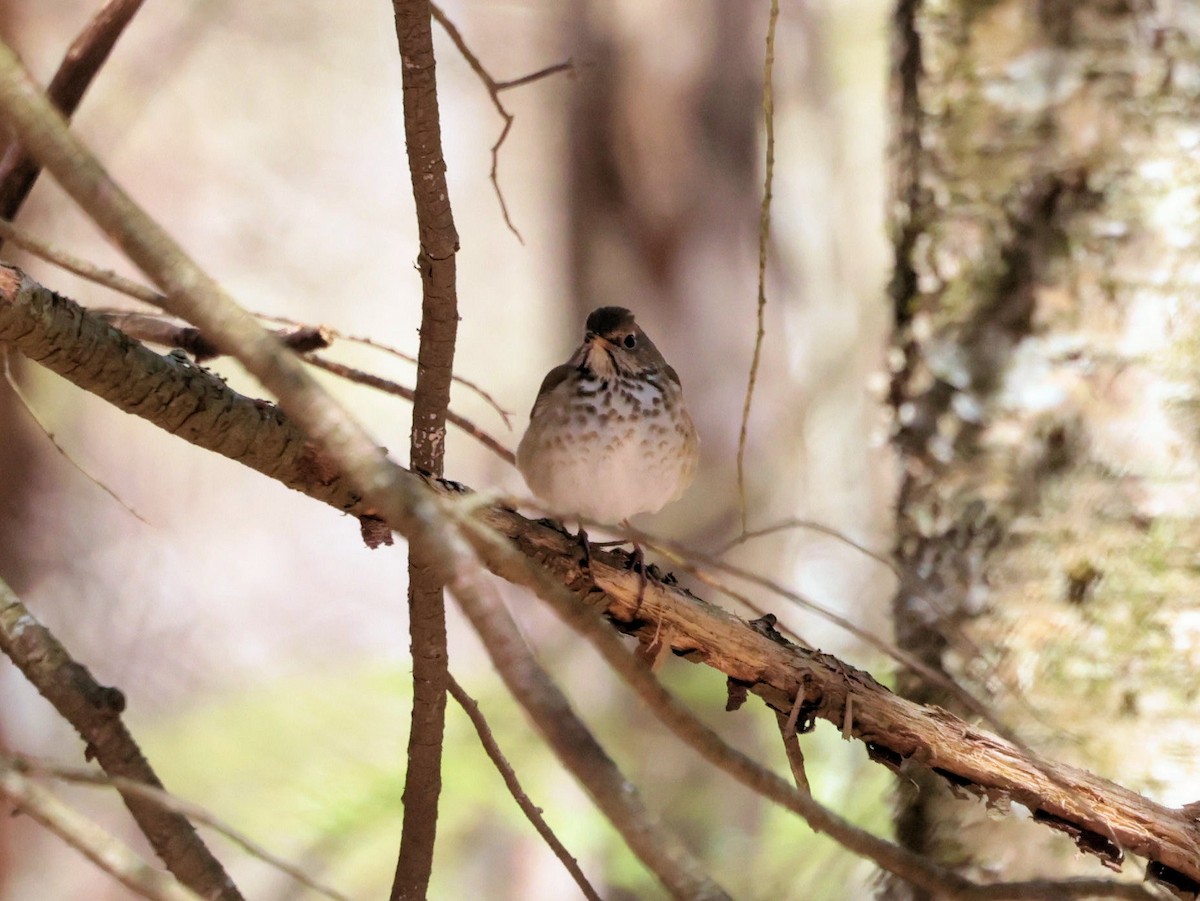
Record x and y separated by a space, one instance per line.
586 563
637 562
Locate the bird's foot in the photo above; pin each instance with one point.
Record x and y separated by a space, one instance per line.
585 562
637 562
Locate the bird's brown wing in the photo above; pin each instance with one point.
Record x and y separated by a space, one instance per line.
553 379
671 374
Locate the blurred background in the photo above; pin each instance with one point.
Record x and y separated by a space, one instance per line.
262 648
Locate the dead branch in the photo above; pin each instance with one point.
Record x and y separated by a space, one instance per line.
896 732
381 384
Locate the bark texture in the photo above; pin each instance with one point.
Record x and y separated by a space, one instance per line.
1045 392
439 326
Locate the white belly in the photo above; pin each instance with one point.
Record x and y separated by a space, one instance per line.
608 470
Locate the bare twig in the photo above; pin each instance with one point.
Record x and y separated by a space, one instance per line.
545 71
95 712
159 329
390 387
813 526
168 801
764 230
474 387
494 88
532 813
11 232
84 58
110 855
24 401
791 747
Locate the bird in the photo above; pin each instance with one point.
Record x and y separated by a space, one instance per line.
609 434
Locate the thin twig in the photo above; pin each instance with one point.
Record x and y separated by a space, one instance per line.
408 358
791 747
99 846
812 526
175 804
365 378
553 69
79 67
574 744
471 708
24 401
9 231
494 88
764 228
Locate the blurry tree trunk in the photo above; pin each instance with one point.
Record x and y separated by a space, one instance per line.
1046 393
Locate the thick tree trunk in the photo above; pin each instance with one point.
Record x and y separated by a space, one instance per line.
1045 389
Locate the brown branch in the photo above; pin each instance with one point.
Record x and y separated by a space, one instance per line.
86 55
97 845
439 327
494 89
95 712
508 774
200 408
578 612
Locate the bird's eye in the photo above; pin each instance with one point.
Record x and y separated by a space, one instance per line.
630 341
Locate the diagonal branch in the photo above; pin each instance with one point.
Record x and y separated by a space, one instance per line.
82 63
84 776
494 89
509 775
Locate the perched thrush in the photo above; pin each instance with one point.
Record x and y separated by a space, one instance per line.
609 436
